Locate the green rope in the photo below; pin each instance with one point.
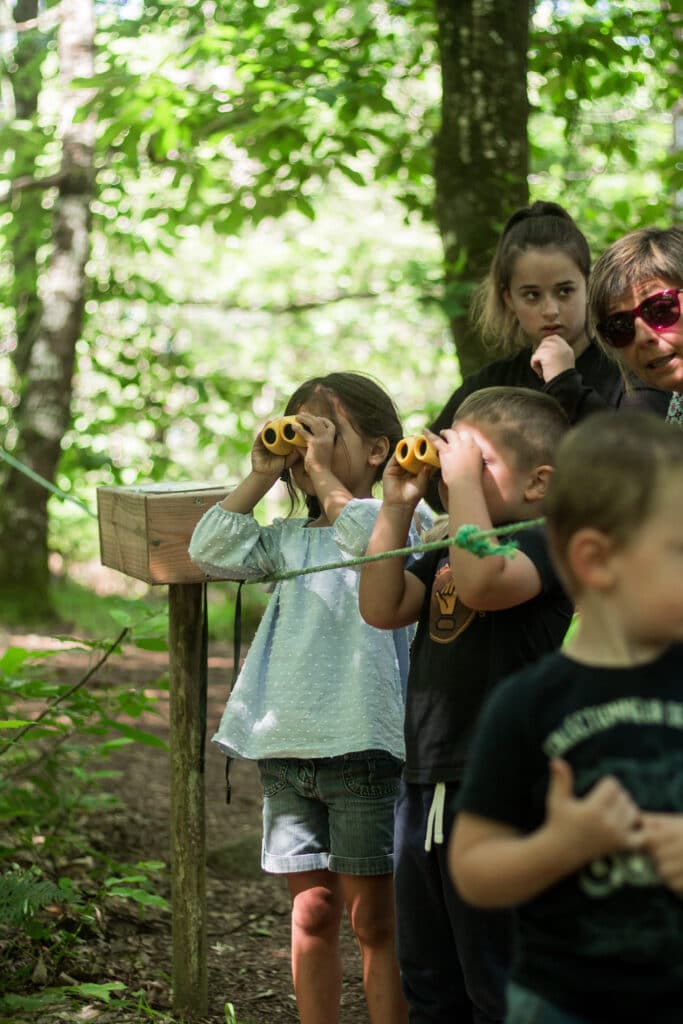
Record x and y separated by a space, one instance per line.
469 537
42 481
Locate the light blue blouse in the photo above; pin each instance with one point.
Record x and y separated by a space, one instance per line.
317 681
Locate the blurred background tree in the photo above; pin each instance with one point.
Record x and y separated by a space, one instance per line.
223 197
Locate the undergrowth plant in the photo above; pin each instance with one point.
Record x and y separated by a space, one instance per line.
55 740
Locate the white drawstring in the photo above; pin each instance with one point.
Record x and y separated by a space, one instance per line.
435 817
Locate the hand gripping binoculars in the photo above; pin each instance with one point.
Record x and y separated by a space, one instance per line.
414 452
279 436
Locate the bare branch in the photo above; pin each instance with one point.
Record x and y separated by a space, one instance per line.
26 184
292 307
46 20
67 693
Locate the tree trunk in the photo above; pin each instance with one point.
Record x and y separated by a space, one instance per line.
27 214
43 413
481 159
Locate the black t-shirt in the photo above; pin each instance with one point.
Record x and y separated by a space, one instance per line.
459 654
595 383
606 941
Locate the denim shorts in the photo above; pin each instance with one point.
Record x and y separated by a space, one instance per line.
334 813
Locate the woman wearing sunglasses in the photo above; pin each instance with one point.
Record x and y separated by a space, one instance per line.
634 301
531 308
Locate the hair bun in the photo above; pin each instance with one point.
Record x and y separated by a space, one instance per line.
539 208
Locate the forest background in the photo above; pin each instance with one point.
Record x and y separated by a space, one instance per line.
205 202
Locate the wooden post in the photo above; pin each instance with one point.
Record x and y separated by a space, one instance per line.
145 533
188 845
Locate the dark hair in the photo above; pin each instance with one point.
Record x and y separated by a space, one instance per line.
648 254
528 423
543 225
369 408
608 471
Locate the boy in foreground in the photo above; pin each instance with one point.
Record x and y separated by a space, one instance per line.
478 620
572 805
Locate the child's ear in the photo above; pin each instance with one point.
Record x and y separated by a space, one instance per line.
537 483
379 452
589 558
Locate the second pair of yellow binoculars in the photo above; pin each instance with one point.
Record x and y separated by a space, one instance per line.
280 437
414 452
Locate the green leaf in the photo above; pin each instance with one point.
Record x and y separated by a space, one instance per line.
13 659
141 896
303 206
46 998
103 992
148 739
151 643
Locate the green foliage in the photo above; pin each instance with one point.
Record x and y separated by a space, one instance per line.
249 161
604 79
136 887
232 1018
306 90
24 893
63 995
54 748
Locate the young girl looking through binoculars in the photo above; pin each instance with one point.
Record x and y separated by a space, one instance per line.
319 701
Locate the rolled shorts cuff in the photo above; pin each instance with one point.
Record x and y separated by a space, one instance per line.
326 862
366 866
294 863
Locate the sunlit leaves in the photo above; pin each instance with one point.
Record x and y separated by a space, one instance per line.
245 153
609 75
258 104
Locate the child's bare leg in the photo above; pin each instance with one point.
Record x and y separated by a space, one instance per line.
370 903
317 907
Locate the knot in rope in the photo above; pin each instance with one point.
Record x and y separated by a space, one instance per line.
472 538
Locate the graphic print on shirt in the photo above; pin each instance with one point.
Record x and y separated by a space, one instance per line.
448 616
651 769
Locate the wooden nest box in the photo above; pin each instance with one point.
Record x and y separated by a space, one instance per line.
145 531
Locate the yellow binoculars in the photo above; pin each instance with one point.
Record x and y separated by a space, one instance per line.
279 436
414 452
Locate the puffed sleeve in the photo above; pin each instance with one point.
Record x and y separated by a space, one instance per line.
354 525
356 521
233 546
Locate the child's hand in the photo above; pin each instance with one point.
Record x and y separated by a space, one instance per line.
266 463
552 357
399 487
459 454
604 820
319 434
662 837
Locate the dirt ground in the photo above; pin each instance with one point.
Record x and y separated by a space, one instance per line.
248 911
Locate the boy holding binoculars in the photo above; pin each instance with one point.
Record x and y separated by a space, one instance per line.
478 620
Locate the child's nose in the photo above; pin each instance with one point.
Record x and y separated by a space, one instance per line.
550 307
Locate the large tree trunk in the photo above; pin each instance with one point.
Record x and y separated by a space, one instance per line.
26 205
43 413
481 159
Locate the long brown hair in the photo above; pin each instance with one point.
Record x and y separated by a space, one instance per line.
543 225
